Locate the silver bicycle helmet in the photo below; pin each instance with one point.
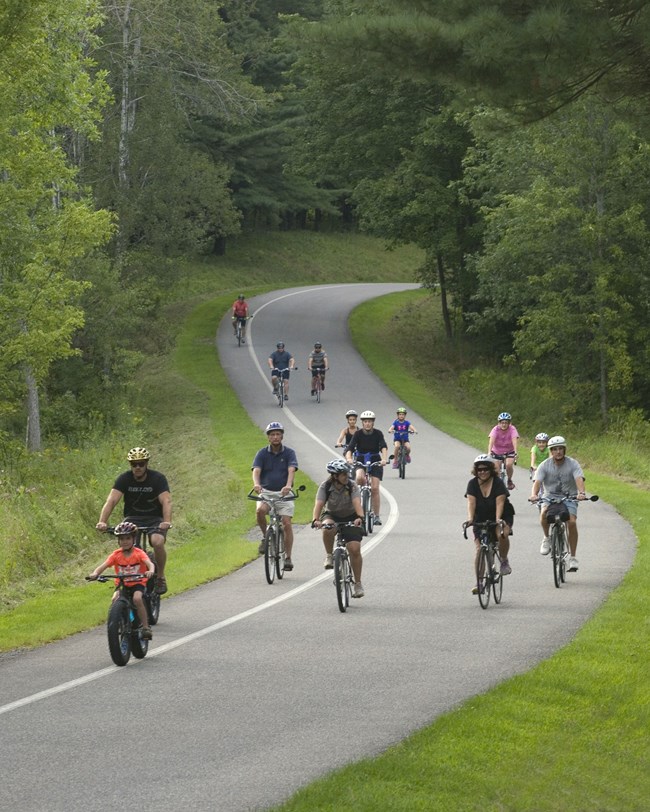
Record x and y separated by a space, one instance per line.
274 426
351 413
505 416
543 436
338 467
556 441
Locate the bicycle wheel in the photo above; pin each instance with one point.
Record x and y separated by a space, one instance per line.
152 599
281 394
270 547
557 555
564 553
279 553
368 516
239 336
139 647
119 632
483 569
402 462
341 584
318 388
497 578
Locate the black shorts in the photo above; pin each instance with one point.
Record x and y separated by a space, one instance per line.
349 533
147 521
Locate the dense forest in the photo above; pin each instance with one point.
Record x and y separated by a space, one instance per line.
507 142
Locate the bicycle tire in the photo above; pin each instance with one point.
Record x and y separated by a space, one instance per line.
497 579
340 583
557 554
402 463
269 554
484 566
565 553
152 599
281 397
139 647
279 554
119 632
239 337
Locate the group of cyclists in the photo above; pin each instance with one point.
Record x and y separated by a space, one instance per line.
555 476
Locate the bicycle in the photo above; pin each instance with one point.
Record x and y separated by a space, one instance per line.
123 624
503 473
557 516
279 387
240 327
317 381
401 457
274 555
488 564
343 577
366 494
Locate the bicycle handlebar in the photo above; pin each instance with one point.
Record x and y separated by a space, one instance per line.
131 576
566 498
269 499
145 530
487 525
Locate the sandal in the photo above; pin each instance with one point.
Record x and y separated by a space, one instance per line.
161 585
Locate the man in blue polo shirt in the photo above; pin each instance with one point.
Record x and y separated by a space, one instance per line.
274 468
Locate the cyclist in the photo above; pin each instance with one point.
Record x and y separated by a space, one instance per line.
240 313
347 433
147 502
279 360
488 500
401 428
126 560
339 500
502 444
560 476
368 443
317 364
539 452
274 469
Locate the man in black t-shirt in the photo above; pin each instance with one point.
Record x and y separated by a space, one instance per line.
147 502
369 445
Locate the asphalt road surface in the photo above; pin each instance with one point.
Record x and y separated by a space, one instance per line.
251 691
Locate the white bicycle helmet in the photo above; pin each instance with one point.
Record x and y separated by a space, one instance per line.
484 458
351 413
556 441
367 415
505 416
274 426
543 436
338 467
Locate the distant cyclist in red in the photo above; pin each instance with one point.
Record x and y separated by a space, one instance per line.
240 313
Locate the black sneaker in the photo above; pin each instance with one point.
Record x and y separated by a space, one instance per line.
145 633
288 564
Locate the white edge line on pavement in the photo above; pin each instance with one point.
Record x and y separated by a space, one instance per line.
377 538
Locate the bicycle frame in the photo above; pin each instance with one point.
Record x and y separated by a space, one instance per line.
123 623
558 533
274 555
488 563
317 378
279 374
343 577
366 494
240 327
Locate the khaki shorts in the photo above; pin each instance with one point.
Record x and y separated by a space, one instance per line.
282 508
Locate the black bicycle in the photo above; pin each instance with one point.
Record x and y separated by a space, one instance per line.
240 328
142 540
557 516
279 387
123 625
488 564
343 577
274 554
317 381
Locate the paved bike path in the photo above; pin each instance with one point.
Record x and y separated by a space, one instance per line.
251 691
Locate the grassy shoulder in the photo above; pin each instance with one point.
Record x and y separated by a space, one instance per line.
569 735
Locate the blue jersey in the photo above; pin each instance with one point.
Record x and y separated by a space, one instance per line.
274 468
401 429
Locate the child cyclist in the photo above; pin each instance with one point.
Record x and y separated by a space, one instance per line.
502 444
130 560
539 452
400 429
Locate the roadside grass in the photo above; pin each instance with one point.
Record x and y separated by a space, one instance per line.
572 734
49 503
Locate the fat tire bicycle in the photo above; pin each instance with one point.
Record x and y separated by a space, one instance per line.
488 564
558 532
274 555
123 626
317 381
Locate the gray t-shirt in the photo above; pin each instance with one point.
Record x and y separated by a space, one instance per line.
338 503
559 480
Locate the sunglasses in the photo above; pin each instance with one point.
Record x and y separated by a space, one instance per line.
482 470
139 464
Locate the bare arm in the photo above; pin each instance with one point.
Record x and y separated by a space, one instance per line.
113 498
165 499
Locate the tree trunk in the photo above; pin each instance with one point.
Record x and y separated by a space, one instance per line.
33 412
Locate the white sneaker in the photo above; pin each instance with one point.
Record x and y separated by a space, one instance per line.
573 564
359 591
328 562
545 549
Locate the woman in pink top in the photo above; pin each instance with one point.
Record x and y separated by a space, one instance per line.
502 444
